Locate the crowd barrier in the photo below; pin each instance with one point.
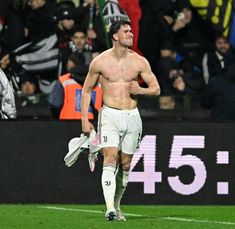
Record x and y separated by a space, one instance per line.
177 163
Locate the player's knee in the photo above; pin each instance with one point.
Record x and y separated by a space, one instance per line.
110 159
125 166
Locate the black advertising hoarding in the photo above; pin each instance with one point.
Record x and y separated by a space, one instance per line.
177 163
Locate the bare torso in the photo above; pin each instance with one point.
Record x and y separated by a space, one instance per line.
115 77
118 69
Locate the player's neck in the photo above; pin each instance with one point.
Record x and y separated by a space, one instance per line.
120 52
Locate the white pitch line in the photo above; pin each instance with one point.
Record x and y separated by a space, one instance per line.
197 220
82 210
72 209
137 215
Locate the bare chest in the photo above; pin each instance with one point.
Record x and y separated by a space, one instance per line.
124 71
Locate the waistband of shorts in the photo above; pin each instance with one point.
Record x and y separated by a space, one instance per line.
116 110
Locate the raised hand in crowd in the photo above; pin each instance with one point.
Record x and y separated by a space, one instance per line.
5 61
176 77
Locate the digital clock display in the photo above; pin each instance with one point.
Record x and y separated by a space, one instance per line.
149 176
171 167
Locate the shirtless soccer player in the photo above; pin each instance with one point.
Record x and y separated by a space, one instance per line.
119 126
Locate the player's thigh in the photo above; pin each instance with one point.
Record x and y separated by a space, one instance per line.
131 142
107 130
132 138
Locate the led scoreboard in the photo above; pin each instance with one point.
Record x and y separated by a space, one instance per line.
186 163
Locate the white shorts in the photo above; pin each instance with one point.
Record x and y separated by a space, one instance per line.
120 128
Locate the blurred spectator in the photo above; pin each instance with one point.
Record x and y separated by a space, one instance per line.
84 54
64 100
79 45
192 77
12 35
218 16
39 19
77 67
178 76
213 62
171 22
219 95
182 29
88 18
167 103
151 29
177 83
39 57
65 17
67 3
162 70
7 99
3 10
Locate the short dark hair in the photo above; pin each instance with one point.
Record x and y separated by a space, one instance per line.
116 25
220 35
77 29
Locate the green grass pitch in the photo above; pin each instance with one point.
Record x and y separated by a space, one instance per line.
138 216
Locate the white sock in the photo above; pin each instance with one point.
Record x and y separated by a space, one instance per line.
109 185
121 183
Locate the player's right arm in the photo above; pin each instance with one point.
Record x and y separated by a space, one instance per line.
91 79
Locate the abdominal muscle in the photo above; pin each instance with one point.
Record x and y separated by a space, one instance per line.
117 95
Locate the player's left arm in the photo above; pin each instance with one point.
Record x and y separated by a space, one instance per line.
148 77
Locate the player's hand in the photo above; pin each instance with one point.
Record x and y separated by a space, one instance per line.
134 88
86 127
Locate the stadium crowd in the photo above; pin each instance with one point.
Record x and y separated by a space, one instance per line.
41 41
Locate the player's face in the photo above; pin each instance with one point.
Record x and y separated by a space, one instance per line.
125 36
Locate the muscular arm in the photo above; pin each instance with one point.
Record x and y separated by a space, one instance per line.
149 78
89 84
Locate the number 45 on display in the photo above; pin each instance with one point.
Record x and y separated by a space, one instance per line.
149 176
